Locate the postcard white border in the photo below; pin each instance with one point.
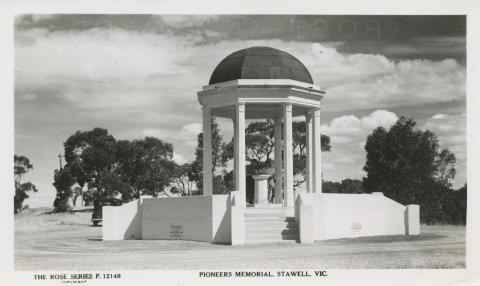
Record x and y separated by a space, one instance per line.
468 276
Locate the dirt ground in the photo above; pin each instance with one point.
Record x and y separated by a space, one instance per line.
45 241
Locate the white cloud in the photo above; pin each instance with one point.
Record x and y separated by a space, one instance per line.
363 81
450 129
179 159
187 135
346 159
140 67
340 139
328 166
349 130
150 80
187 21
28 96
98 55
378 118
348 134
193 128
438 116
348 126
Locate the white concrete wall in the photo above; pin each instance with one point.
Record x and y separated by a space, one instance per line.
354 215
237 218
412 219
203 218
122 222
221 219
306 224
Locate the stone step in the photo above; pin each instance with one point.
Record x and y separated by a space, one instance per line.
267 241
266 211
276 224
269 216
276 237
270 225
271 231
269 206
265 215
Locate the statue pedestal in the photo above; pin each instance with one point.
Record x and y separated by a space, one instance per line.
261 189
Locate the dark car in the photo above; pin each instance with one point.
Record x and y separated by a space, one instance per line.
97 208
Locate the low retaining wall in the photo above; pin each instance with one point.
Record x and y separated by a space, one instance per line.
209 218
354 215
122 222
198 218
237 218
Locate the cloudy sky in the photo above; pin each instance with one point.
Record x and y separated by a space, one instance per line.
137 75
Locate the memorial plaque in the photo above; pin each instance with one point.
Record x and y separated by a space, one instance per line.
176 232
356 227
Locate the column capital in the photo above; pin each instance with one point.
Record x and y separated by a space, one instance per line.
287 107
314 112
308 115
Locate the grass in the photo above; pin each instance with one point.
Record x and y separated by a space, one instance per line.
41 219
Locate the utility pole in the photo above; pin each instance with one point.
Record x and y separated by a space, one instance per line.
60 160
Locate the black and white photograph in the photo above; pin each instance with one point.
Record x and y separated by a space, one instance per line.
255 148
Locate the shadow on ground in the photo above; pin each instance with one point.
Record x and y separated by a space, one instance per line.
388 238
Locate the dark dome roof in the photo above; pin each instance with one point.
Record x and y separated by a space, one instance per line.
260 63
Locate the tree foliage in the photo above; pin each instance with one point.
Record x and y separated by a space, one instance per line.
346 186
220 156
145 166
21 166
106 168
259 145
90 156
405 163
63 181
181 179
445 167
299 134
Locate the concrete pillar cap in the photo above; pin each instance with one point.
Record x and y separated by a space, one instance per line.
260 177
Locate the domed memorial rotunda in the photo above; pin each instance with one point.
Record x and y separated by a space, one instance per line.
262 83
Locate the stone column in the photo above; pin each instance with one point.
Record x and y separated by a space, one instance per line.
317 153
309 154
288 155
278 160
207 151
239 130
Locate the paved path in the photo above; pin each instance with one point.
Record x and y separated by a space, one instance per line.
79 247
